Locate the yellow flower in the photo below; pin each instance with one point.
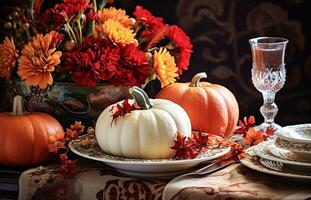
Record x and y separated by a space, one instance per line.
117 33
8 56
38 60
165 67
114 14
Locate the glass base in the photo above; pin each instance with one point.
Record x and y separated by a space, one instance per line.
266 125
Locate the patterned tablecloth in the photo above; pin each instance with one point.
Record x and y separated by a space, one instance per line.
97 181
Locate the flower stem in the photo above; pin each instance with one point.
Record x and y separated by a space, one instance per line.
93 21
72 32
80 29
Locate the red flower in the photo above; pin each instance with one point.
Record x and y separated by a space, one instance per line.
181 41
64 11
133 68
151 23
95 59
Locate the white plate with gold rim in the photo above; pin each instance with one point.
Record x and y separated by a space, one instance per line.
289 155
263 150
296 147
146 168
253 163
300 133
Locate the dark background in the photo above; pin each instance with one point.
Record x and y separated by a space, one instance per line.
219 31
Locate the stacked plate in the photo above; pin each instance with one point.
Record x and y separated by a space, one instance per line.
288 155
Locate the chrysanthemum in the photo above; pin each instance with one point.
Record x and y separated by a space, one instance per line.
118 15
63 11
8 56
38 60
133 69
181 42
165 67
93 60
117 33
151 23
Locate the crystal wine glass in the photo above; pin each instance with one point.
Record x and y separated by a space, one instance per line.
268 74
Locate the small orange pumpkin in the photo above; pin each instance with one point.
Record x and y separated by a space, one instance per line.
212 108
24 136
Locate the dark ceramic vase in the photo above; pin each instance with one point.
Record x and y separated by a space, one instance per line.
67 102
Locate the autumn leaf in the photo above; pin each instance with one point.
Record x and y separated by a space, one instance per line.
183 148
121 110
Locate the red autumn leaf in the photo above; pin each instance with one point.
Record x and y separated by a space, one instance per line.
183 148
121 110
199 141
67 168
269 132
251 120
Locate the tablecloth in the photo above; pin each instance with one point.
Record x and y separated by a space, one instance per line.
97 181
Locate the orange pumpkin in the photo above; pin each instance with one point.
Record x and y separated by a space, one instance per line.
24 136
211 108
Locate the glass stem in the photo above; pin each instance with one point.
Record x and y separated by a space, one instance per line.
269 109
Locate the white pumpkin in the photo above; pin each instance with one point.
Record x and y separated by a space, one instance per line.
146 133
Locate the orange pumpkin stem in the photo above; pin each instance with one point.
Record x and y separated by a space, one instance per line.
195 82
18 106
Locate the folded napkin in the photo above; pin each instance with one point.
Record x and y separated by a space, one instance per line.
236 182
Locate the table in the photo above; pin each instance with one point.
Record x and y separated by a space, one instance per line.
97 181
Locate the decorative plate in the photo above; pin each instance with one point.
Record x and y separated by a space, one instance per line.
159 168
263 150
253 163
289 155
297 147
297 133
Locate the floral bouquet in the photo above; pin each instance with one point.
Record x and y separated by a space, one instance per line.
81 41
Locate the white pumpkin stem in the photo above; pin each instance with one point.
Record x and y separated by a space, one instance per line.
140 97
195 82
18 106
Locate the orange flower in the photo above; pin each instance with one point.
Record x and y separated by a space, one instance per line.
75 130
8 56
118 15
116 32
165 67
77 126
38 60
253 137
56 141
